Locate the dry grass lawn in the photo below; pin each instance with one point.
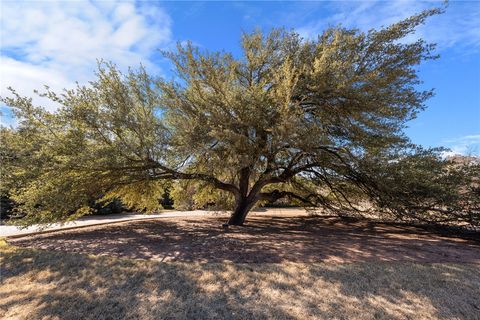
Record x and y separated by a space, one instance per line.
59 283
265 239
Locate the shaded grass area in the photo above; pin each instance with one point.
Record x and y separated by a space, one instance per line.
38 284
265 239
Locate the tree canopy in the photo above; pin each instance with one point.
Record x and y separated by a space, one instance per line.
318 121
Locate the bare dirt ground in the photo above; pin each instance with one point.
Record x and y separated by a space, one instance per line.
264 239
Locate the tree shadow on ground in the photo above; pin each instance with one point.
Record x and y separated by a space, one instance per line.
264 240
55 285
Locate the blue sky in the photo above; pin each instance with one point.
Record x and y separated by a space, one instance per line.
56 43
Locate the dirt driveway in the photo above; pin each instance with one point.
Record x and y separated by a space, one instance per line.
267 238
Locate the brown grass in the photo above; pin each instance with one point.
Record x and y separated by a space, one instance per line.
271 239
58 283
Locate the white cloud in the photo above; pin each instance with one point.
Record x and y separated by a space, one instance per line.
57 43
466 145
458 27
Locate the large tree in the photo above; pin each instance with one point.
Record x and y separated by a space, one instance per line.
289 118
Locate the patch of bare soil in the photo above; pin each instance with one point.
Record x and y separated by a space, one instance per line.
264 239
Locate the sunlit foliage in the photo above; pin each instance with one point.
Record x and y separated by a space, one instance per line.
318 121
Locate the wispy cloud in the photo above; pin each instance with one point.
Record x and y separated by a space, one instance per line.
457 28
57 43
466 145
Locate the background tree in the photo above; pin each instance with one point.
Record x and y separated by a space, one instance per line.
293 118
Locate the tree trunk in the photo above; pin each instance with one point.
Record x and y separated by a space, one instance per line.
242 208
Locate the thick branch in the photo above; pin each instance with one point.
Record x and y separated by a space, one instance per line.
173 174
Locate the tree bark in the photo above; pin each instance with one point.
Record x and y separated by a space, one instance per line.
242 208
244 200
